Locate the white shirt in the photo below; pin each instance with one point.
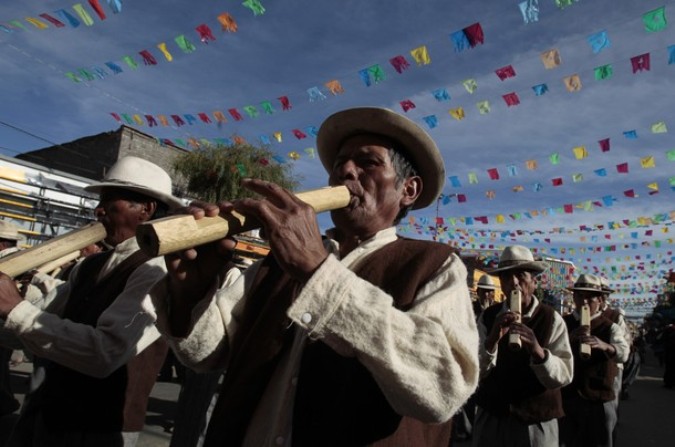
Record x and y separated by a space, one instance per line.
425 360
123 330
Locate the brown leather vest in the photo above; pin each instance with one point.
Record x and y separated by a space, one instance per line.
512 387
593 377
337 401
71 400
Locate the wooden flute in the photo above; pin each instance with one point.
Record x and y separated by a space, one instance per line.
174 233
585 348
51 250
514 306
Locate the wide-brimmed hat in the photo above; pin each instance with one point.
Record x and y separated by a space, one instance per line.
486 282
518 257
419 148
10 231
605 285
587 282
141 176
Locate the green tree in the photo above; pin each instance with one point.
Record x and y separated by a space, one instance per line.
213 173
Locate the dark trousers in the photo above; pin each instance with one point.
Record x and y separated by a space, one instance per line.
8 404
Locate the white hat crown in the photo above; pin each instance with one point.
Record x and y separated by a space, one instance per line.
139 175
518 257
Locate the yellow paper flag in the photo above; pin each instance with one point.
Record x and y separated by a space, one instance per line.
550 58
580 152
421 55
647 162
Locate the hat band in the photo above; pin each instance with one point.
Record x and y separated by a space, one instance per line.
512 262
586 285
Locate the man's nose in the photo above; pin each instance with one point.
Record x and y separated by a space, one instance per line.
347 171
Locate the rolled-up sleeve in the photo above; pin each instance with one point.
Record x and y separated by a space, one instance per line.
123 330
425 359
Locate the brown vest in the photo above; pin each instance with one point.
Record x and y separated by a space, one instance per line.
337 400
612 315
71 400
593 377
512 387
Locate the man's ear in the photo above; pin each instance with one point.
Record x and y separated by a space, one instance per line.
148 210
412 188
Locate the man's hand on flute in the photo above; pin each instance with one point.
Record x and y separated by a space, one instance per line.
10 296
290 226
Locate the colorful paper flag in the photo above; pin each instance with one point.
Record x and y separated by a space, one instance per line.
655 20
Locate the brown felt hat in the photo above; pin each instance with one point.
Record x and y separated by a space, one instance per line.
419 147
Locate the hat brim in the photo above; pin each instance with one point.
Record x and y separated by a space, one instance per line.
420 148
170 201
481 286
585 289
534 266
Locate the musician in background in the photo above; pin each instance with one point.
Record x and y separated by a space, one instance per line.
9 239
588 421
361 338
486 290
518 398
96 330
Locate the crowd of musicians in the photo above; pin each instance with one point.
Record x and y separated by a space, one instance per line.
350 338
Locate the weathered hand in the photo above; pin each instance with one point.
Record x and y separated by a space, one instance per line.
289 225
595 343
499 329
9 295
579 333
191 271
528 339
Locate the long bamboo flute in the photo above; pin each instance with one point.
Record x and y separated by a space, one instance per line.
174 233
49 267
514 306
25 260
585 348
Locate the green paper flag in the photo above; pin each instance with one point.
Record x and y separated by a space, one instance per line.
671 155
603 72
267 107
130 62
255 6
655 20
554 158
73 77
184 44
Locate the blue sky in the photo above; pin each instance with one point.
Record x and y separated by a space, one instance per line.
299 44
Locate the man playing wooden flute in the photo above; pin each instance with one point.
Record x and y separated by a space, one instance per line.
364 338
588 421
103 349
518 398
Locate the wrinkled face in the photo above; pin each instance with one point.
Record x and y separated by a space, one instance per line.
517 279
594 300
119 214
364 166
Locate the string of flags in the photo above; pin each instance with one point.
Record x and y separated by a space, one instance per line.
587 205
466 38
183 43
77 15
64 18
584 231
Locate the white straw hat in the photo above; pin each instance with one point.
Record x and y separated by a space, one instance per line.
419 147
587 282
486 282
141 176
605 285
518 257
10 231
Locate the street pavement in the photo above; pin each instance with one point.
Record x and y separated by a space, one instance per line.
645 418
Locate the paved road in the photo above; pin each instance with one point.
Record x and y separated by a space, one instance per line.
646 418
